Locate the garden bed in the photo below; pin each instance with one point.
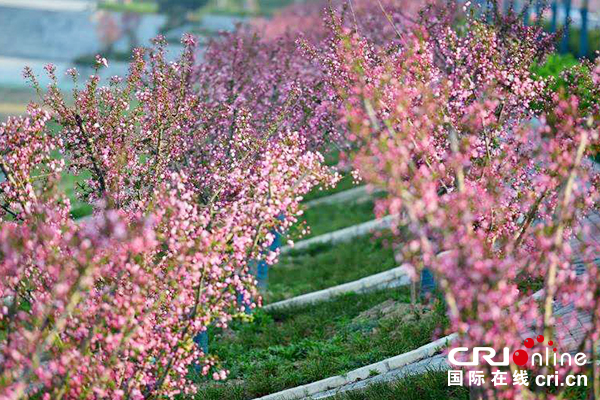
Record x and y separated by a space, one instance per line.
347 182
324 265
327 218
291 347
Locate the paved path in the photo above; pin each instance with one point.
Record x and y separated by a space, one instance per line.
51 5
62 36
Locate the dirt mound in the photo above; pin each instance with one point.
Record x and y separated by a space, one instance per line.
396 310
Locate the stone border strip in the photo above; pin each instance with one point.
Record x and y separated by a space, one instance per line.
356 194
363 373
435 363
346 234
56 5
388 279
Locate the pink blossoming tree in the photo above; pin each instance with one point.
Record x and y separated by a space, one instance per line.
489 174
185 196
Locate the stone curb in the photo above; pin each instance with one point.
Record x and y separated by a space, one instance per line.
357 193
381 367
56 5
345 234
392 278
435 363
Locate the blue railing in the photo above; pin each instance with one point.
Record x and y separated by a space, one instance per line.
572 20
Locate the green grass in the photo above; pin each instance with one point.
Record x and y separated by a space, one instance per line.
431 385
230 9
68 184
319 192
554 65
324 265
327 218
286 348
269 7
142 7
79 209
237 7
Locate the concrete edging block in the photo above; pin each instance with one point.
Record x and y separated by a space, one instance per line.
392 278
365 372
422 352
354 194
306 390
346 234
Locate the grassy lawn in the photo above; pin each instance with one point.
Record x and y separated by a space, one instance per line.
286 348
238 7
432 385
319 192
143 7
327 218
269 7
428 386
324 265
79 209
68 185
231 7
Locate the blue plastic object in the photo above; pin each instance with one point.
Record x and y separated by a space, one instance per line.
427 282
